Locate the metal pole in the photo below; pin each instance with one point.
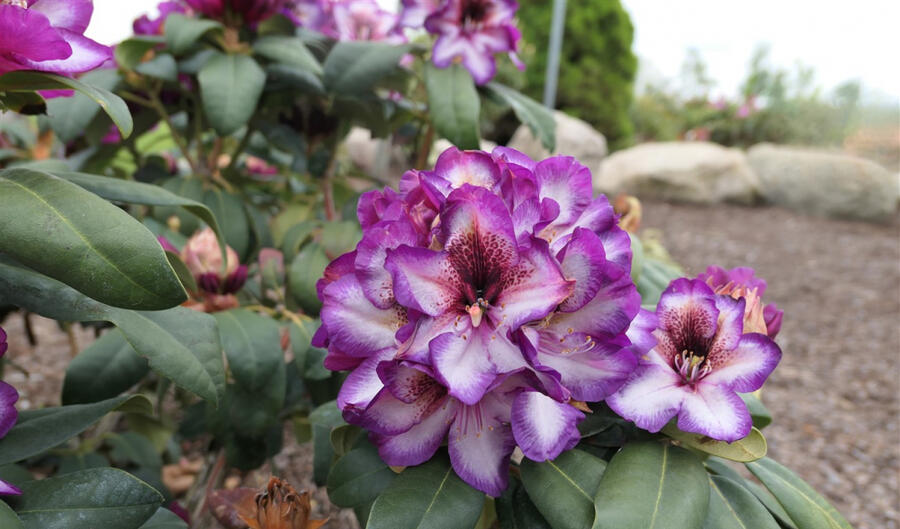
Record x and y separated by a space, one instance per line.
556 36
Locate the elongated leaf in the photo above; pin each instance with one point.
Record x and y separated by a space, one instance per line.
324 419
180 343
131 447
538 117
806 507
182 31
744 450
229 211
761 415
731 506
775 509
164 519
288 50
358 477
70 116
105 369
72 235
99 497
230 86
27 81
563 490
40 430
8 518
353 67
306 269
162 66
429 495
515 510
454 104
652 486
130 52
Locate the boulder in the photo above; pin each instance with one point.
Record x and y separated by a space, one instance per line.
573 138
695 172
824 183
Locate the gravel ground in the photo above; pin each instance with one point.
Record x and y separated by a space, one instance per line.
834 397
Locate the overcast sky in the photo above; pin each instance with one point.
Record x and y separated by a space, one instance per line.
840 40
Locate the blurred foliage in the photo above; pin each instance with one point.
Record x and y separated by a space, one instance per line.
597 67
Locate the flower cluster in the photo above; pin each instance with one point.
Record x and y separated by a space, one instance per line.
48 36
347 19
486 300
8 412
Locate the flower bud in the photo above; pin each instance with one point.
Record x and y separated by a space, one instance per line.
203 258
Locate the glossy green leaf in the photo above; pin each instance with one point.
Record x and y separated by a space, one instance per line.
287 76
731 506
345 438
429 495
187 188
654 279
130 52
353 67
230 86
182 271
338 238
306 269
287 50
8 518
323 420
229 211
358 477
252 344
80 239
90 499
182 31
180 344
26 103
15 474
105 369
761 415
162 66
652 485
454 104
536 116
164 519
134 448
563 490
27 81
70 116
515 510
79 462
40 430
806 507
775 509
744 450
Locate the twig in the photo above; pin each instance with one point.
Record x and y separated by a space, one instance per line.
425 149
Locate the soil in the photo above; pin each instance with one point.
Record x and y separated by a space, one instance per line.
835 397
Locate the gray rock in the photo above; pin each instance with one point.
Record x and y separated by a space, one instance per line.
695 172
825 184
573 138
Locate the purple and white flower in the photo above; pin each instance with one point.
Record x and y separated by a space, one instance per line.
144 25
473 31
415 12
48 36
365 20
250 11
8 412
741 283
702 360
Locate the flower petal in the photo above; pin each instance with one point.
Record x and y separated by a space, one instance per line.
355 326
419 443
543 427
86 55
73 15
530 289
583 261
566 181
390 413
590 375
640 332
454 168
746 367
687 314
424 280
461 364
714 411
27 34
362 384
480 442
370 255
652 395
8 413
7 489
608 314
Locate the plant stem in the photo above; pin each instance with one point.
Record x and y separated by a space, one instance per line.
157 105
425 148
240 148
328 187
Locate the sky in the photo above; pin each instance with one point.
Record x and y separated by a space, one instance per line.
840 40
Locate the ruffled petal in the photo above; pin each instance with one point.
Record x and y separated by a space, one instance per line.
590 370
543 428
566 181
7 489
73 15
86 55
650 397
461 364
480 442
370 255
423 279
640 332
362 385
390 415
687 314
729 326
746 367
27 35
714 411
419 443
583 261
355 326
608 314
530 289
454 168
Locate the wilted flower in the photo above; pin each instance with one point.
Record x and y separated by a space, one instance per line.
203 257
365 20
8 412
503 288
144 25
48 36
276 506
703 359
472 31
740 283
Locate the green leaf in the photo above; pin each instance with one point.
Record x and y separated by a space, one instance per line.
79 462
230 86
306 269
105 369
744 450
162 66
454 104
70 116
358 477
182 31
563 489
164 519
180 343
515 509
429 495
538 117
130 52
229 211
187 188
652 485
287 50
353 67
80 239
338 238
181 270
731 506
8 518
323 420
345 438
26 103
130 447
775 509
654 279
806 507
27 81
100 497
761 415
40 430
292 77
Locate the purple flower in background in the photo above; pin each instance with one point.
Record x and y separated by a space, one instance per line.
415 12
703 359
156 26
48 36
740 283
472 31
250 11
8 413
484 297
365 20
311 14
